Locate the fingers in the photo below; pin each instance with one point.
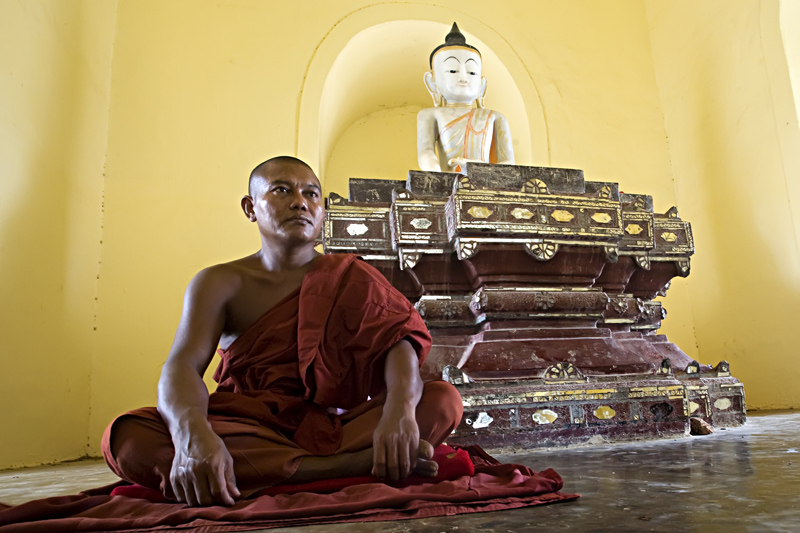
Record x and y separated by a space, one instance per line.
205 486
219 487
198 492
396 446
378 460
230 482
385 462
185 486
413 451
392 460
177 487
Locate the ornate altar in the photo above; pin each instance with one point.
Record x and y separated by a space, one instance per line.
538 288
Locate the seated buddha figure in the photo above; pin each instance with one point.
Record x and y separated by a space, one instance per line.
459 129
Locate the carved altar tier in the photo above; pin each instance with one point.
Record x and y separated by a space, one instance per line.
538 288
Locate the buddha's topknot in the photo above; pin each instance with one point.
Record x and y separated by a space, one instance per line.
454 38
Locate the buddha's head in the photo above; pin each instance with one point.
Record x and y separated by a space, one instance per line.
456 72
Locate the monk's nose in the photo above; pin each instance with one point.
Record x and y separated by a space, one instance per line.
299 202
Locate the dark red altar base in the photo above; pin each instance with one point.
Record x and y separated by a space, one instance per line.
538 287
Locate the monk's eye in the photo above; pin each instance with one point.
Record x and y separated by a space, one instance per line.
281 189
312 194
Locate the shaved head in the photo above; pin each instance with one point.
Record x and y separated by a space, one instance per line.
261 172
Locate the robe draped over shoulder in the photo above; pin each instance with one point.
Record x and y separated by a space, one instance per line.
469 136
322 346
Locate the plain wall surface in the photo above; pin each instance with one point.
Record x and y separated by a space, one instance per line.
132 126
54 97
735 151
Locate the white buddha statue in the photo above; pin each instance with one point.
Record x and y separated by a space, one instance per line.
459 129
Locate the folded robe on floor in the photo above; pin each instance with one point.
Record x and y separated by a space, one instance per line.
493 487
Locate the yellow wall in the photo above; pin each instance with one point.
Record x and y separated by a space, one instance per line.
734 147
790 21
396 126
201 91
54 86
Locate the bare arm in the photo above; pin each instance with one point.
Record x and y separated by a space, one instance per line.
202 471
426 139
396 438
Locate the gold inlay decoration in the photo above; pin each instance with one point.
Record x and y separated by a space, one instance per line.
633 229
605 192
464 183
357 229
722 404
601 218
535 186
668 236
543 251
693 407
562 216
467 249
421 223
544 416
519 213
479 211
605 412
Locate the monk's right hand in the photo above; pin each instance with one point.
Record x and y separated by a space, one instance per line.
202 471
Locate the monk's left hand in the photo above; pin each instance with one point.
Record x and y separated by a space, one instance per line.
395 444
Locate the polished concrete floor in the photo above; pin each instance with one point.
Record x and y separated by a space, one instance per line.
740 479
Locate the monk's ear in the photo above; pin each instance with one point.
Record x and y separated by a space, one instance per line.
249 208
430 84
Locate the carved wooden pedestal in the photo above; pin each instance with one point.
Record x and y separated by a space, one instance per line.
538 288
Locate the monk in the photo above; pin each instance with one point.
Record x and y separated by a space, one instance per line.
459 129
319 373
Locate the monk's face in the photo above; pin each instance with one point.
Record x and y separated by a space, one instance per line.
287 203
457 72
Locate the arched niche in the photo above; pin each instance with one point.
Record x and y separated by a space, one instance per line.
365 80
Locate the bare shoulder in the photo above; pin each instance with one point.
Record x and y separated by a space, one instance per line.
222 280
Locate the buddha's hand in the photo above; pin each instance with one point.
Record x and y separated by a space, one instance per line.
395 444
202 471
458 164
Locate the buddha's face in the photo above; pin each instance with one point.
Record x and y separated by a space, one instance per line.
457 72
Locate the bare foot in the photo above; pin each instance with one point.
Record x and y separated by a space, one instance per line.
356 464
425 466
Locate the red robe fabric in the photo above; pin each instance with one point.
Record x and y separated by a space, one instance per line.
493 487
338 327
321 348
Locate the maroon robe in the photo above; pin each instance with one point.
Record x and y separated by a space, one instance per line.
320 349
